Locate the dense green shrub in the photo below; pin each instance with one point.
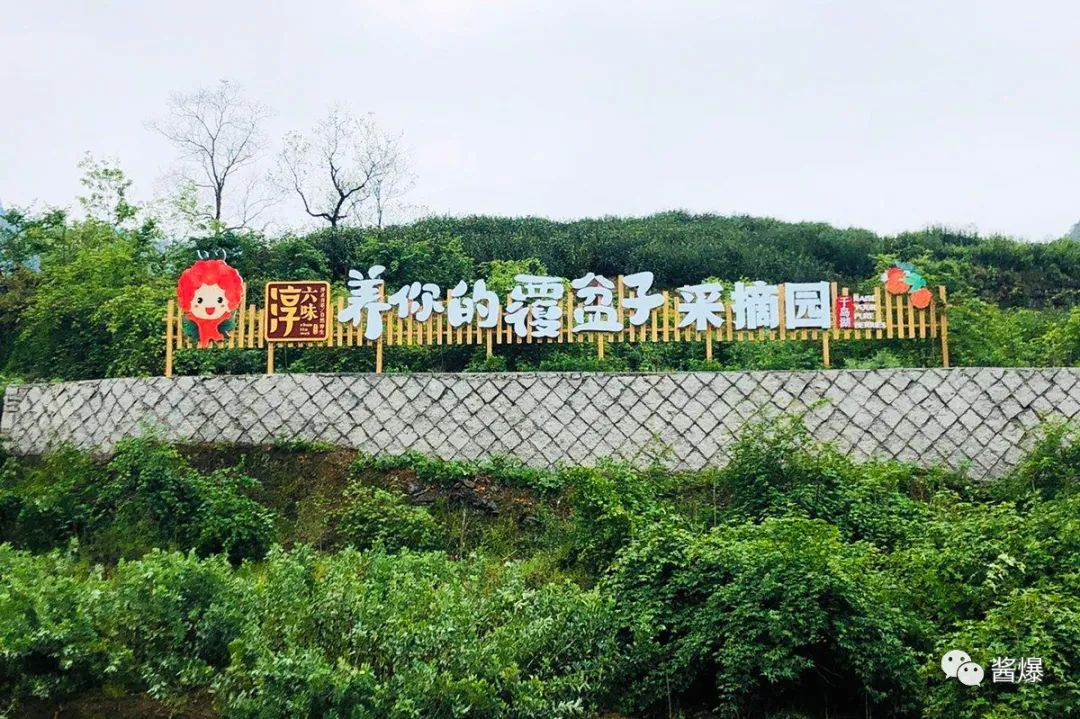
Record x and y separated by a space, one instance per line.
227 520
302 635
175 616
1041 622
971 553
762 618
512 472
154 490
1052 467
52 616
610 503
43 506
418 635
95 307
374 517
444 472
777 469
145 496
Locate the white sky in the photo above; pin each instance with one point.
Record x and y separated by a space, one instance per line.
889 115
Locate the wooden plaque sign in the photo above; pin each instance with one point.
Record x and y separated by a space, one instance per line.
297 311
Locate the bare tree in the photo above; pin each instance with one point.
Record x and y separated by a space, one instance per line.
346 168
389 189
218 135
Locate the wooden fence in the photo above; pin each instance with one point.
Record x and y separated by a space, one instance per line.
898 317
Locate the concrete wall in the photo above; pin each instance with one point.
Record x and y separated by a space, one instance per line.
979 416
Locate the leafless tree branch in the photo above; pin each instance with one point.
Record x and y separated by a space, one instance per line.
217 132
341 167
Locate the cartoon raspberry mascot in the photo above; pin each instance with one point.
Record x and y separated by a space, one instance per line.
209 292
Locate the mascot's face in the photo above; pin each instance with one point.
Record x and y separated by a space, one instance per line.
209 302
210 290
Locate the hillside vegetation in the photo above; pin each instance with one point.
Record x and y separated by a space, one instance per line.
305 581
85 299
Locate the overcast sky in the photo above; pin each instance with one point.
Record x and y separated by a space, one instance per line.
887 115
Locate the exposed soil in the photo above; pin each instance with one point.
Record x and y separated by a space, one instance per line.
94 705
305 485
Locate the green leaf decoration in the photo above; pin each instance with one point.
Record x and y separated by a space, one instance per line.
191 329
916 281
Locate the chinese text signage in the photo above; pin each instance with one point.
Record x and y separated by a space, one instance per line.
297 312
540 308
544 307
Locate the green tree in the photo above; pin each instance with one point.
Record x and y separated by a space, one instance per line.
106 198
96 288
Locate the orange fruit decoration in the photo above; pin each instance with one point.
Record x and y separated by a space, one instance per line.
921 298
895 283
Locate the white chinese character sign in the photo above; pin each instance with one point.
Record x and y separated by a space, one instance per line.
807 304
593 308
596 313
535 308
365 302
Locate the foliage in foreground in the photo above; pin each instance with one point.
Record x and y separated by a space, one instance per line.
346 635
792 582
145 496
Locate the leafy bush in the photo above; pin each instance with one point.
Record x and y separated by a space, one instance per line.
373 516
175 615
1052 466
775 468
153 488
443 472
415 635
1042 622
791 582
880 359
482 363
228 521
781 615
44 506
51 619
146 496
583 360
512 472
971 553
302 635
610 503
151 485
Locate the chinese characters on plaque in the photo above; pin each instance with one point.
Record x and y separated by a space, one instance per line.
857 312
297 311
536 304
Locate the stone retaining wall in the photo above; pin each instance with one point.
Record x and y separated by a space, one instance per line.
979 416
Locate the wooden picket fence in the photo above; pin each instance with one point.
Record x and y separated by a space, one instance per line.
901 320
